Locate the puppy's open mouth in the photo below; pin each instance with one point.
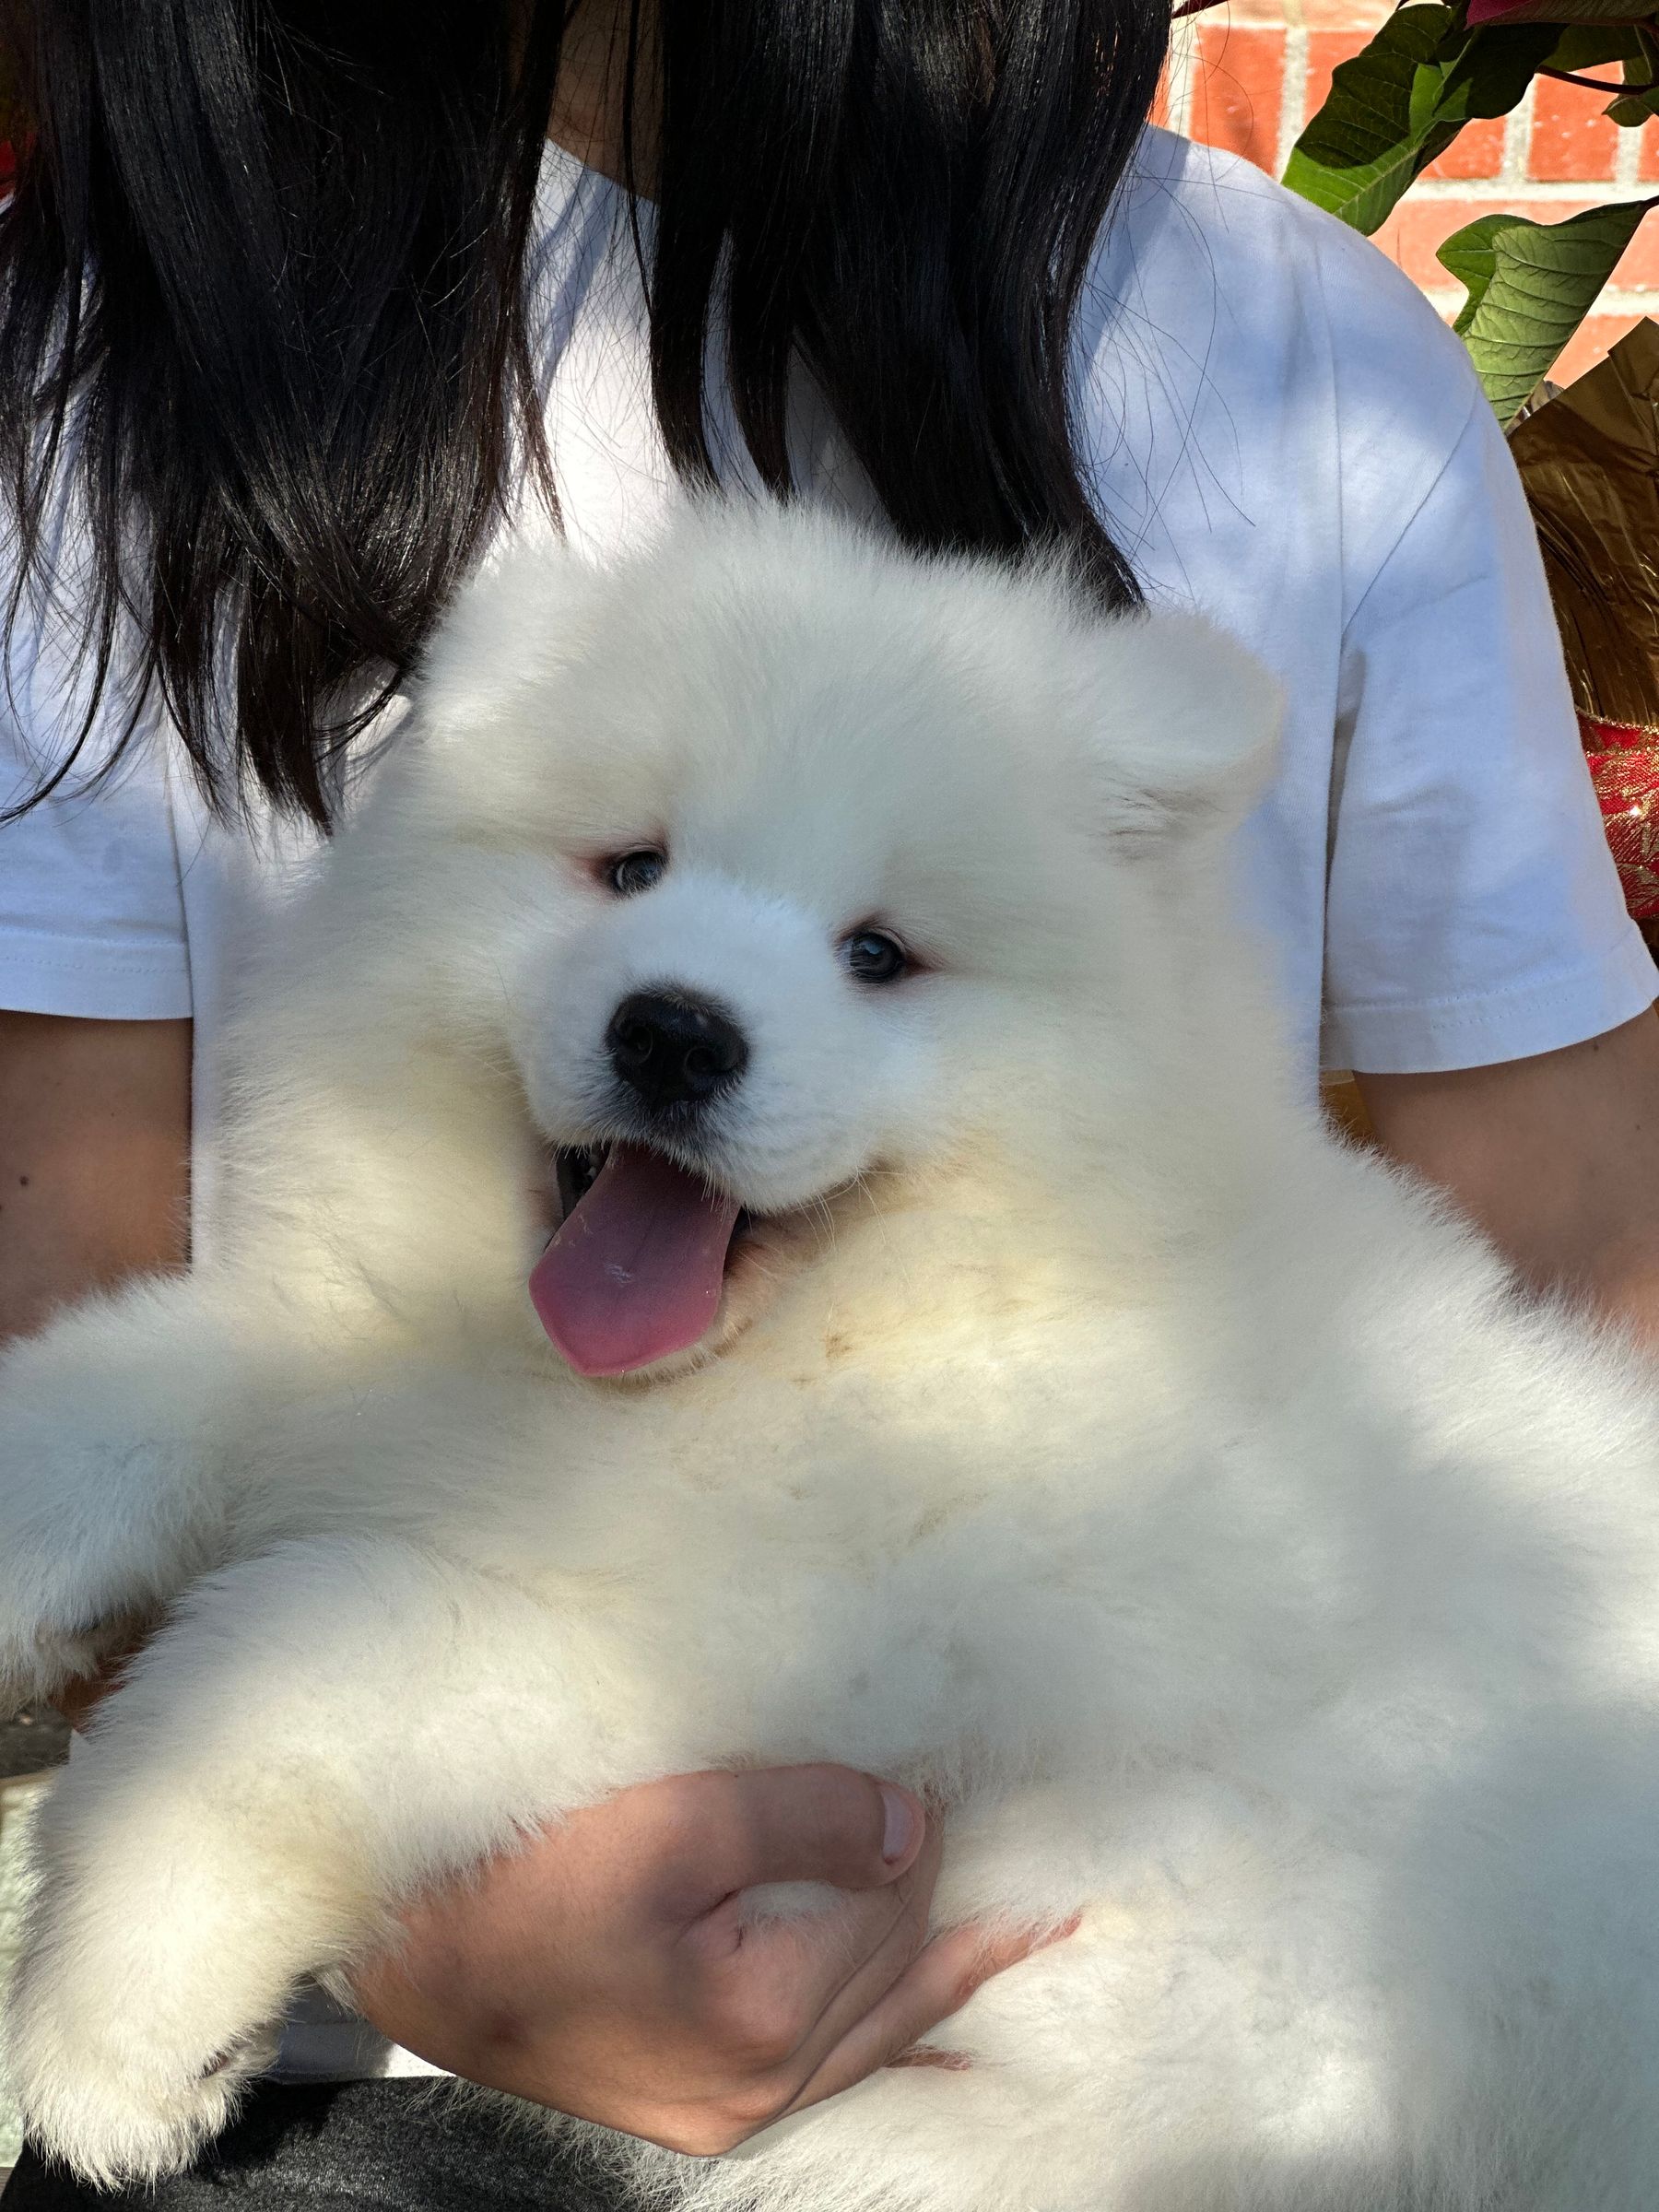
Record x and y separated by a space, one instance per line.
637 1267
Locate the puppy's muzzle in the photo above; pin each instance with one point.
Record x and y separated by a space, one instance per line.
674 1050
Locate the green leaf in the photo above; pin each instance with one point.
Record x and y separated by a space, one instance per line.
1486 73
1428 86
1393 107
1631 110
1594 46
1362 150
1530 286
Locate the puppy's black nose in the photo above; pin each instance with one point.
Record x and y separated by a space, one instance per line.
674 1052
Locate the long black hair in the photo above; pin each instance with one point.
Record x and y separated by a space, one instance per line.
260 295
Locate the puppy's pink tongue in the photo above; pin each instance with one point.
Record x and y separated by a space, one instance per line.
636 1271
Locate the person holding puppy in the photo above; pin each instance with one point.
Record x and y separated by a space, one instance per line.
302 315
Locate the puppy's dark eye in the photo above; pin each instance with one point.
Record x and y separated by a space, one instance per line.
874 958
631 872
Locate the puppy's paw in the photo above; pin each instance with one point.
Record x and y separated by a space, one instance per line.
119 2095
81 1563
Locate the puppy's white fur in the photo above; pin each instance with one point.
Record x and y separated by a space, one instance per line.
1185 1497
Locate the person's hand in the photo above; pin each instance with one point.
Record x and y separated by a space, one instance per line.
604 1971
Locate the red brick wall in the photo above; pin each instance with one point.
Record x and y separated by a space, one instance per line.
1249 74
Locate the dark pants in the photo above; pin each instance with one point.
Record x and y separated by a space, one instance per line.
354 2147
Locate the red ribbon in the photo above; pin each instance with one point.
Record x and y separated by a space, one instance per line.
1624 768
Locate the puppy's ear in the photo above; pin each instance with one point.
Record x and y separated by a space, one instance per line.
506 629
1186 726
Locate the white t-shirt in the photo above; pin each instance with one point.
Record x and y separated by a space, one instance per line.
1281 433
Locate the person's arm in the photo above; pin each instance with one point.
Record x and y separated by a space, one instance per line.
606 1970
94 1158
1557 1157
94 1168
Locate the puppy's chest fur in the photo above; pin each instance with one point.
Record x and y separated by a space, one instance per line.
970 1547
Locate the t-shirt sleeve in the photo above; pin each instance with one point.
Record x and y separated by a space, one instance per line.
91 900
1474 912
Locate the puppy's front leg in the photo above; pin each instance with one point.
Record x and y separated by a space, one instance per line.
114 1427
278 1771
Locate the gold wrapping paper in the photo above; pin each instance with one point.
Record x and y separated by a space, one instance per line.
1589 458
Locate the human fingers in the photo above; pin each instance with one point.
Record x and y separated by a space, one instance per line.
938 1982
772 1999
792 1988
854 2037
720 1834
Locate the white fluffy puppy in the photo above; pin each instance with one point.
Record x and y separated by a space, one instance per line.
971 1363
